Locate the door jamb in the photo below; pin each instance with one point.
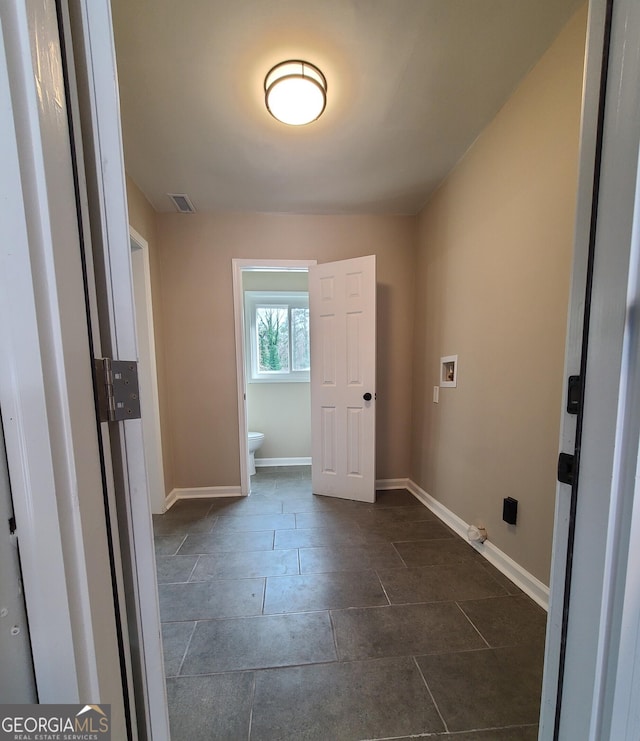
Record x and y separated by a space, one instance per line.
157 499
594 50
239 265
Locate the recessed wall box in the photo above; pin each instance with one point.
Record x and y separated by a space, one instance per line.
449 371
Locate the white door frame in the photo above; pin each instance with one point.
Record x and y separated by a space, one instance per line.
603 609
238 266
94 68
148 375
573 352
89 37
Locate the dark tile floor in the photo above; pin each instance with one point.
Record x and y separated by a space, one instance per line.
290 616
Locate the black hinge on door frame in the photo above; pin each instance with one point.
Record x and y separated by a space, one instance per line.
117 392
566 466
567 461
574 394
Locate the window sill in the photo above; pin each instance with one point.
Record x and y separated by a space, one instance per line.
287 379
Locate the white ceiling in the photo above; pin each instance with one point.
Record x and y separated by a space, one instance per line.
411 84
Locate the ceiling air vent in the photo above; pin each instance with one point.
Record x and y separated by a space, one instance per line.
182 203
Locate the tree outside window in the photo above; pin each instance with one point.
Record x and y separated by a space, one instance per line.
300 339
278 324
272 324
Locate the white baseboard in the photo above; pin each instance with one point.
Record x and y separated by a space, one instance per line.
202 492
387 484
262 462
529 584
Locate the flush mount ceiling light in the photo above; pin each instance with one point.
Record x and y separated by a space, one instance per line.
295 92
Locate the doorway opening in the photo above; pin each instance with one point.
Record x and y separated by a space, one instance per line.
271 303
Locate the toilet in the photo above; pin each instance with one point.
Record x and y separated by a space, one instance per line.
255 441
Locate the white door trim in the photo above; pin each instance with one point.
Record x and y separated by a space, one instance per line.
95 65
149 396
238 265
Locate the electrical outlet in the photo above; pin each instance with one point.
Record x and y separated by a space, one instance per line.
510 510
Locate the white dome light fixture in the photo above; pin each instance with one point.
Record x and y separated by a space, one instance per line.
295 92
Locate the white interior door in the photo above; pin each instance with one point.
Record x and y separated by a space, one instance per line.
342 303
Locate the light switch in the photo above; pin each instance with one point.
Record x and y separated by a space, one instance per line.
436 394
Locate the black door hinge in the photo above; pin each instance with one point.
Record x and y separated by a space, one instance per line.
574 390
12 525
566 464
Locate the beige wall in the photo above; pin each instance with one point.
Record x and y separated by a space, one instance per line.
256 280
197 308
493 269
142 218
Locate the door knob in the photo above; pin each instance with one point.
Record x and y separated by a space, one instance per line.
367 396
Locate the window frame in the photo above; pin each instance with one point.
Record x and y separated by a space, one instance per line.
278 299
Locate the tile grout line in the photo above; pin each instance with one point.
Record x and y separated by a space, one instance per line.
473 625
333 633
491 576
451 734
384 591
256 669
264 594
184 655
433 699
180 546
393 545
333 662
253 699
497 728
191 573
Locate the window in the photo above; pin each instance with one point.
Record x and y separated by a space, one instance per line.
278 336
